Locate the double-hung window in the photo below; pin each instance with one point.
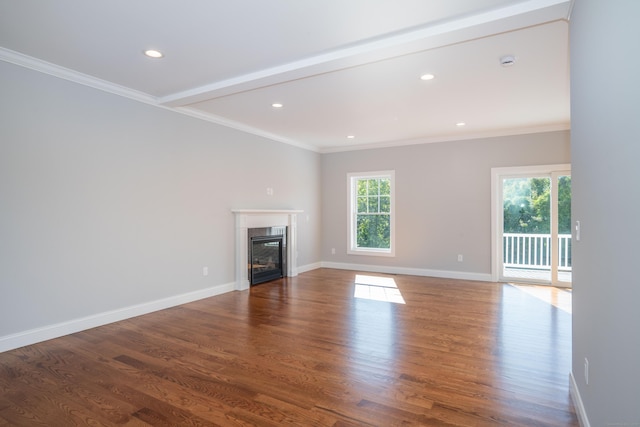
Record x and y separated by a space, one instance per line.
371 213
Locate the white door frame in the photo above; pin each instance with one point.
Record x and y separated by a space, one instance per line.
497 217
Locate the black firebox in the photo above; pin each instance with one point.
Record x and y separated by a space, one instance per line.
266 260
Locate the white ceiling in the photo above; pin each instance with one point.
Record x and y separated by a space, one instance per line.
339 67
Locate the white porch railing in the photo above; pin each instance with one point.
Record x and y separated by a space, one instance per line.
534 251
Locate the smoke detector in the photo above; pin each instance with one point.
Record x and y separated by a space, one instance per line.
507 60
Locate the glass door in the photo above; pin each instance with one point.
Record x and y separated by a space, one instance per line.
562 219
526 229
532 218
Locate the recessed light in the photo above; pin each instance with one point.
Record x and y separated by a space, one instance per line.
276 105
460 124
152 53
351 136
427 77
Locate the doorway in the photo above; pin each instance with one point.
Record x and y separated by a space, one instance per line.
531 224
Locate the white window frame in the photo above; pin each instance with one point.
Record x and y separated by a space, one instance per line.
352 248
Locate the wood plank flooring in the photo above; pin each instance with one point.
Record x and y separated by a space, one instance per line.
305 351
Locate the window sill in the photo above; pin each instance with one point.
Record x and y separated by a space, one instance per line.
372 252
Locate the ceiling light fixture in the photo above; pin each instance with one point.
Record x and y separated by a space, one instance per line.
152 53
276 105
351 136
460 124
427 76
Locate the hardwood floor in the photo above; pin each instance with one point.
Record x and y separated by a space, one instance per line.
304 351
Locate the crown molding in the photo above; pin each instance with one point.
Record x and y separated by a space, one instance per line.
199 114
54 70
445 138
45 67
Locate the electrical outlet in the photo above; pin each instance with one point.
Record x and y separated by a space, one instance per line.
333 251
205 271
586 371
269 191
460 258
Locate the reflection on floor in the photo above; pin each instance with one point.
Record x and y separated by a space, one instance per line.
377 288
557 297
533 274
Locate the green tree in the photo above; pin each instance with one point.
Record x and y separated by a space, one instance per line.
373 227
564 205
517 204
541 197
526 205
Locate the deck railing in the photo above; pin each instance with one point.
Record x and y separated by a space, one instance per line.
534 251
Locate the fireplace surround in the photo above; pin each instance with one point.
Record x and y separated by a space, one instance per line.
246 219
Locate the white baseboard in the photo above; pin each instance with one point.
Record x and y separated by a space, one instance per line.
577 402
32 336
309 267
409 271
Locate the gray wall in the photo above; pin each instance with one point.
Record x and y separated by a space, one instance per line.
443 197
605 99
106 202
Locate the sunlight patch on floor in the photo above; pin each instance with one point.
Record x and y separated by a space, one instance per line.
377 288
559 298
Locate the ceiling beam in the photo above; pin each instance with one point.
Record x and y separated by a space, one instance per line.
509 18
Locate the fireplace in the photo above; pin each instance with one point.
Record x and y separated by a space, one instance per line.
267 254
249 219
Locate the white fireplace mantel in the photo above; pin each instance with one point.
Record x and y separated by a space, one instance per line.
258 218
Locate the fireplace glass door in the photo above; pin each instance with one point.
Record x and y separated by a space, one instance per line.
265 259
